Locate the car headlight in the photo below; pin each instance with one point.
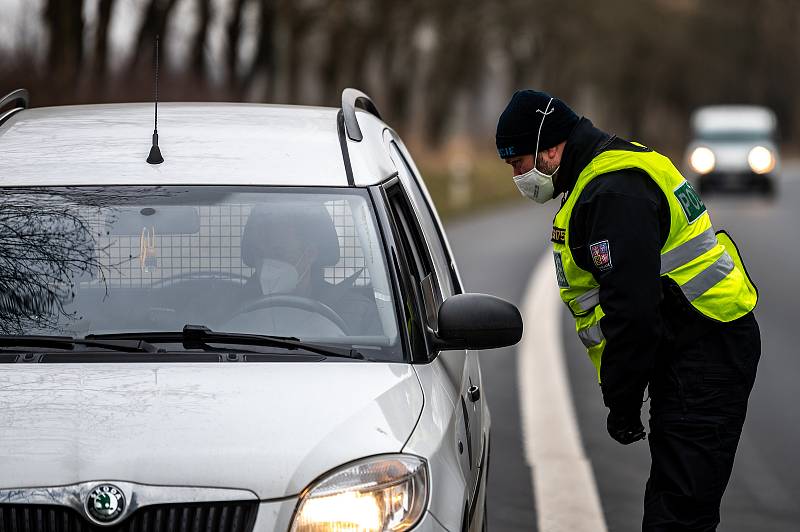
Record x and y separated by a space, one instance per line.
382 493
761 160
702 160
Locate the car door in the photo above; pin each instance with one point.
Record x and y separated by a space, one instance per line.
438 283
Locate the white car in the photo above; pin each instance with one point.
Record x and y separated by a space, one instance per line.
265 332
733 146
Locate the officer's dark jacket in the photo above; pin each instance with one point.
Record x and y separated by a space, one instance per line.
629 210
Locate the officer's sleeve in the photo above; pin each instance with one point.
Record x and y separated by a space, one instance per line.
622 250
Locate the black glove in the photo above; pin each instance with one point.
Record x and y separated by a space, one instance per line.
626 427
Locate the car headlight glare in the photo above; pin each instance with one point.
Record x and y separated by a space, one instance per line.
702 160
383 493
761 160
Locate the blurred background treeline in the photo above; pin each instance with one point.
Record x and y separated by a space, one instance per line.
440 71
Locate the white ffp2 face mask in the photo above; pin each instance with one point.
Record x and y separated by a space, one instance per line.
278 277
534 183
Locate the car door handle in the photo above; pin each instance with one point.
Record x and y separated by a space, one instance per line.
474 393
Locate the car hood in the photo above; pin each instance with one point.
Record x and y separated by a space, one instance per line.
267 427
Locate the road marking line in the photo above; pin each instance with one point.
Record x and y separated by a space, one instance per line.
563 483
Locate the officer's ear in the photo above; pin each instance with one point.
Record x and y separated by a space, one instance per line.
554 153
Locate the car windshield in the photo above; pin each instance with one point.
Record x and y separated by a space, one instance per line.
297 262
733 136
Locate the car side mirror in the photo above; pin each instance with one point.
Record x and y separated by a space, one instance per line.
477 321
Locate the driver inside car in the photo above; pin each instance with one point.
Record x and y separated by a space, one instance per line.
289 246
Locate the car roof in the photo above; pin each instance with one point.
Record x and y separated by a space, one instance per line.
202 143
733 118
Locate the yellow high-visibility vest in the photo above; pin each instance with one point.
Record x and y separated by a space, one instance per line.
706 265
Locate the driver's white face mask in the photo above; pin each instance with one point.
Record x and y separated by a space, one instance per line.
534 183
278 277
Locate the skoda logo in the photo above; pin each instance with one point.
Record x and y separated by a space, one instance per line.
105 503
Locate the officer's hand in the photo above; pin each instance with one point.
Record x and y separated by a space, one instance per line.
626 428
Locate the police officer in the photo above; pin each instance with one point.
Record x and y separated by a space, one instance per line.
659 299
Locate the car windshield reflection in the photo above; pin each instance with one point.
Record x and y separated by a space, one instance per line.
300 262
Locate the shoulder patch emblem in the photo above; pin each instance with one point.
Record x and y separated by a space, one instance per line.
558 236
561 276
691 203
601 255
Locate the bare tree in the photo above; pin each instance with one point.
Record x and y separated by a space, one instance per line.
333 62
264 60
233 33
44 248
198 49
297 21
104 9
154 22
457 62
623 56
64 22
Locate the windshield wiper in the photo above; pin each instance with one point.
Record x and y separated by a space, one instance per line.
69 343
199 336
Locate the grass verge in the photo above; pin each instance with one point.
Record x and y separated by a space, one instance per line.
465 186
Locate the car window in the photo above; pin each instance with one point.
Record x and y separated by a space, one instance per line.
733 136
429 226
424 288
305 262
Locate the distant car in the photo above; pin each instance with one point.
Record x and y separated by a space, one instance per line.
733 147
265 332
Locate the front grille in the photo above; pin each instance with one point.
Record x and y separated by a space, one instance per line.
237 516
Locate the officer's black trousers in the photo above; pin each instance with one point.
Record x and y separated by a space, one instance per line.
699 393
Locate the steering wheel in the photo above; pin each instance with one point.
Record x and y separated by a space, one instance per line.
299 302
208 275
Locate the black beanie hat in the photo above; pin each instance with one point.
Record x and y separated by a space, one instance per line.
518 126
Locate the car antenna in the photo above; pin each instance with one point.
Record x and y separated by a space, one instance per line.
155 153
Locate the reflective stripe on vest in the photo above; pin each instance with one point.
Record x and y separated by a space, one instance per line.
688 251
703 281
671 260
586 301
591 336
